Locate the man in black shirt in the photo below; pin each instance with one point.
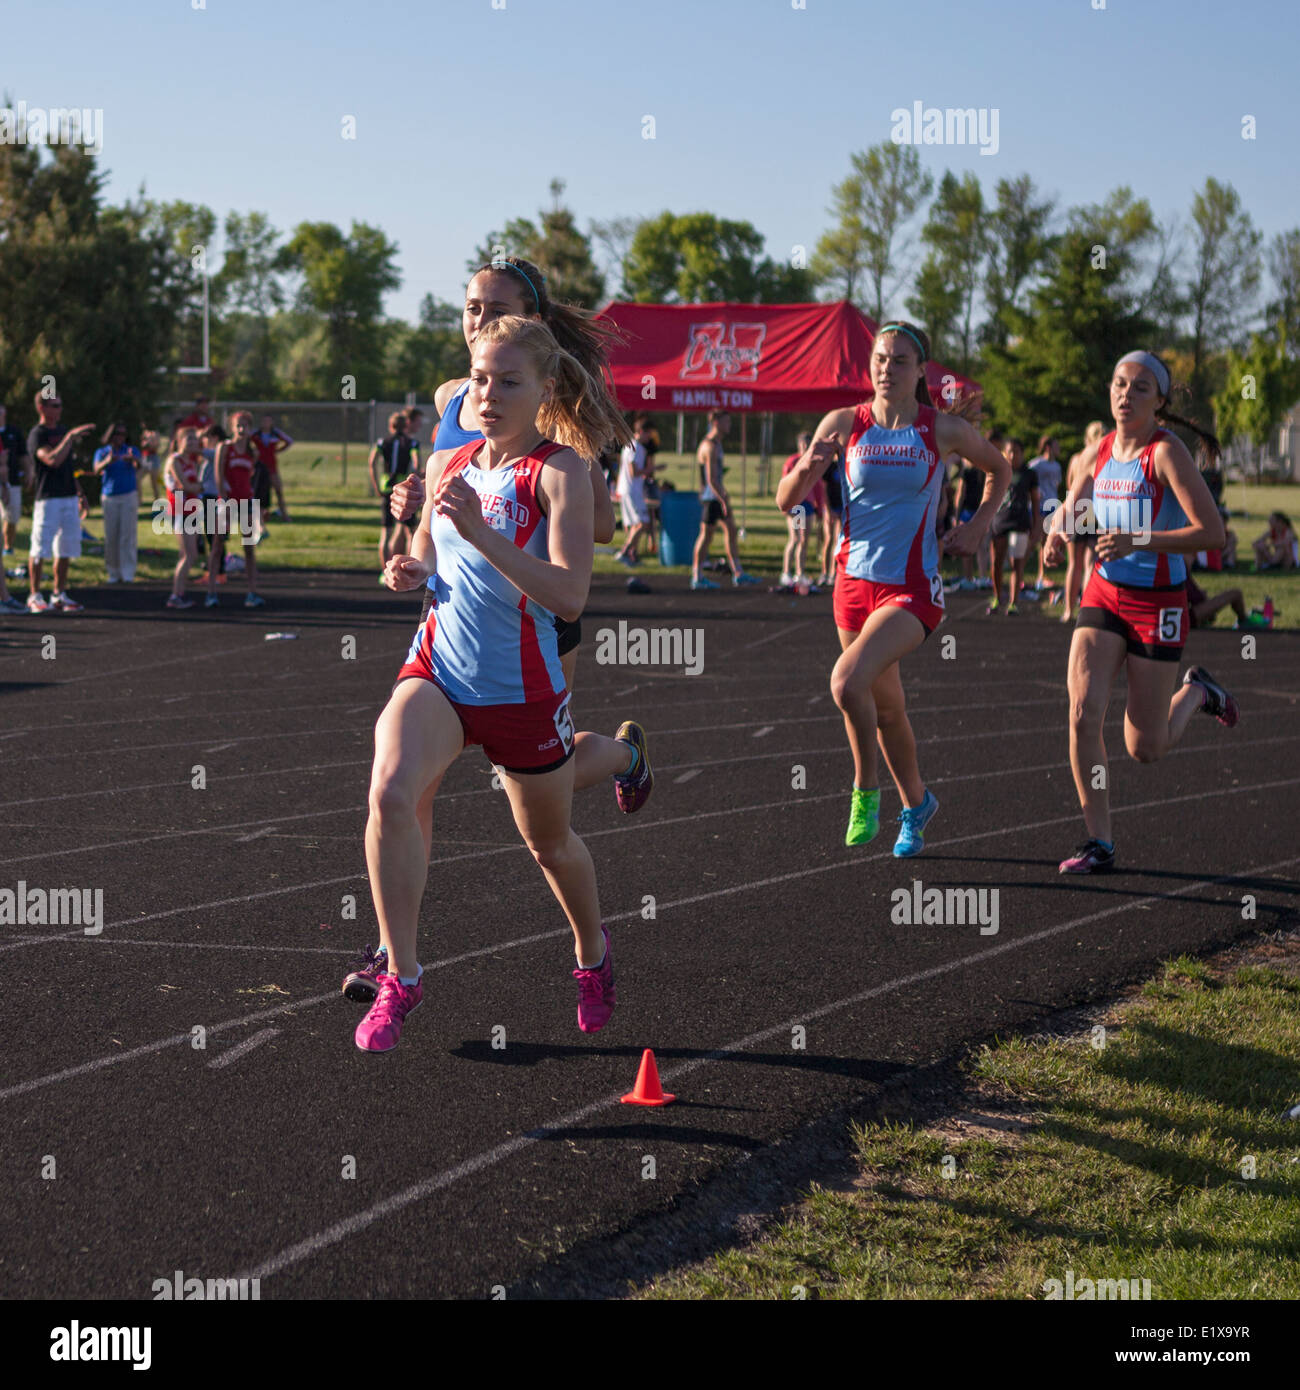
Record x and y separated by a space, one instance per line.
390 461
60 505
1013 525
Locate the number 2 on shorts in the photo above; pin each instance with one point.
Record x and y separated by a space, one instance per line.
936 590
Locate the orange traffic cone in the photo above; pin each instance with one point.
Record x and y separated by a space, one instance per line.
647 1090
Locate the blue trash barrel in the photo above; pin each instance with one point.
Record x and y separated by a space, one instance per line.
679 525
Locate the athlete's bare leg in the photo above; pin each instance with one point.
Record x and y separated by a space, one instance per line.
1095 660
887 635
417 739
1158 710
542 803
894 734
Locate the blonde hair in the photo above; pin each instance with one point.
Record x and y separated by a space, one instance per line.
581 413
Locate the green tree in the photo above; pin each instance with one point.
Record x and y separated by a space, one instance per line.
1055 373
615 237
1260 386
558 249
1018 247
1144 253
871 208
696 258
1284 308
188 232
956 236
422 357
1224 278
344 279
250 283
84 294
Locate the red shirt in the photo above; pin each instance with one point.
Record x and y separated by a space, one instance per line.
196 420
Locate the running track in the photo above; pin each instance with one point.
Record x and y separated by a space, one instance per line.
476 1167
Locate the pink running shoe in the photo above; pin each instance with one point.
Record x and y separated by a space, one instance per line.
596 992
362 985
382 1026
631 790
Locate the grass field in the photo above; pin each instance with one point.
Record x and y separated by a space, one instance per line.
337 527
1156 1149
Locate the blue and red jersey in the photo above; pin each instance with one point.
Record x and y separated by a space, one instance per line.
485 642
1128 496
893 480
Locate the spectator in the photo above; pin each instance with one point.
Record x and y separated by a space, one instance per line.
1047 468
834 514
389 463
184 494
1013 525
59 508
7 604
631 493
799 521
650 442
269 443
13 479
116 463
1277 548
198 418
717 506
149 460
213 438
234 479
414 424
1202 607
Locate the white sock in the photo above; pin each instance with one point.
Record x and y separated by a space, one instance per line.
414 979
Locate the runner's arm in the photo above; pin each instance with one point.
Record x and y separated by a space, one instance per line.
813 462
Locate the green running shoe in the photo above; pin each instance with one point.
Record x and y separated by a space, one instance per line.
864 817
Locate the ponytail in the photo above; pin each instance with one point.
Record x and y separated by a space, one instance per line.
581 413
580 332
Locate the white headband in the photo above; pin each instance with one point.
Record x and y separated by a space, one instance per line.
1153 364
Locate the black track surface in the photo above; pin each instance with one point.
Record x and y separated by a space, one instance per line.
476 1165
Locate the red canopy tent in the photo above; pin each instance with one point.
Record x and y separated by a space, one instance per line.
750 357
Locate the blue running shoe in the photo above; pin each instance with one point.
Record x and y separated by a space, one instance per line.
914 819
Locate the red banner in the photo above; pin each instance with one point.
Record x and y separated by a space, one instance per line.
747 357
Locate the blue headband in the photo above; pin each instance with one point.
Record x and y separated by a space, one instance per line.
500 263
899 328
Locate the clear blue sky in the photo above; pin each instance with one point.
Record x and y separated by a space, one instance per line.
465 112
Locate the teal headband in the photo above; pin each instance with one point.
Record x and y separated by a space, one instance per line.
500 263
900 328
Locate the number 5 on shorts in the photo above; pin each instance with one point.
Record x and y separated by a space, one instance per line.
564 726
1171 624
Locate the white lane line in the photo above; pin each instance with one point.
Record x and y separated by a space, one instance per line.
764 731
351 1225
771 637
247 1046
256 835
685 777
228 946
816 699
848 862
218 747
585 834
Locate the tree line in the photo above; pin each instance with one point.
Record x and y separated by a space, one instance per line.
1034 300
